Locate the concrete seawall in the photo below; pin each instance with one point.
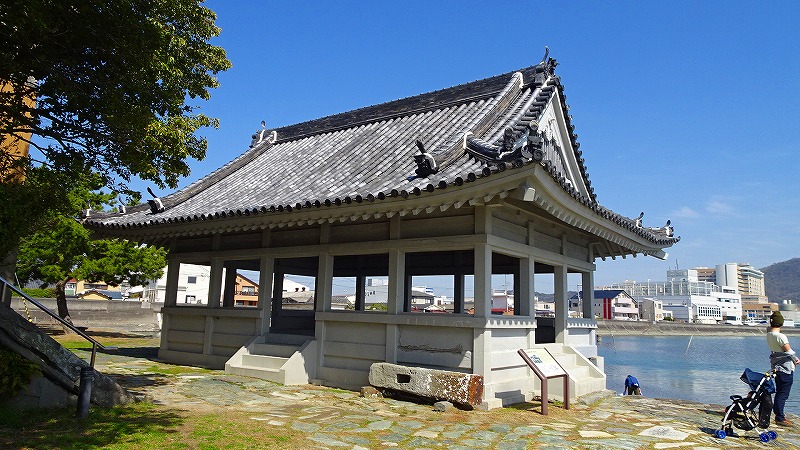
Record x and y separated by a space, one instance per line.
116 315
630 328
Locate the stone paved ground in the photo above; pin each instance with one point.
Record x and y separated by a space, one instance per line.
342 419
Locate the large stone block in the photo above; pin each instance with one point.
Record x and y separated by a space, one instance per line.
59 365
461 388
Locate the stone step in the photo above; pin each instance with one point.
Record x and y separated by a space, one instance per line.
273 375
264 361
578 372
270 349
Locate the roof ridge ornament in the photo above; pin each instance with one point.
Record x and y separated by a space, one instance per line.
546 54
426 164
667 230
638 221
264 135
526 145
546 67
156 205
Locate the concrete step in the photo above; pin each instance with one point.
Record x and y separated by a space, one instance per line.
584 377
567 361
578 372
264 361
273 375
282 350
282 358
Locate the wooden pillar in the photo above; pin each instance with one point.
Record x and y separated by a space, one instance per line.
323 286
277 291
397 280
266 273
523 289
458 293
561 303
361 281
482 359
173 274
587 288
230 288
215 283
483 280
170 299
395 300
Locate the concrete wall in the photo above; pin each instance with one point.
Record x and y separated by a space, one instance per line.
206 336
96 314
41 393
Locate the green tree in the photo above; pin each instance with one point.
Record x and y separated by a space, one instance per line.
114 84
62 249
111 80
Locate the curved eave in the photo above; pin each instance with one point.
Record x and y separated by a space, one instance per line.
563 202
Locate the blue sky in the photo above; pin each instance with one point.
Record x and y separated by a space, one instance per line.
687 111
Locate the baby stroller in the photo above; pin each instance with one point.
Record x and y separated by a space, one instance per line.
741 413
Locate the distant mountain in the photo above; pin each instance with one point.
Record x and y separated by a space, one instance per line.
782 281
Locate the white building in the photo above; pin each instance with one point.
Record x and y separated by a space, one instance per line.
688 299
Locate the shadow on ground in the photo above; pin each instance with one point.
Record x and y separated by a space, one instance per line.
104 427
150 353
131 382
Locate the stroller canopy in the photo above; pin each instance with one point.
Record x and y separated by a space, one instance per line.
753 379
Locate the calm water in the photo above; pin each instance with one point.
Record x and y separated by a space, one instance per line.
707 369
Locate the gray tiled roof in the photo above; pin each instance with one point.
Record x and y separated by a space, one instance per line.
367 155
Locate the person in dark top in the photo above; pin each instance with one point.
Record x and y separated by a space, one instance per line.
632 386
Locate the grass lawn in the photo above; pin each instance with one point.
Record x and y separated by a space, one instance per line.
140 425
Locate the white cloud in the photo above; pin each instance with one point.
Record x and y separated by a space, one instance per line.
716 206
685 213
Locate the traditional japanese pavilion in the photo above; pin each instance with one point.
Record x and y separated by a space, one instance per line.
481 179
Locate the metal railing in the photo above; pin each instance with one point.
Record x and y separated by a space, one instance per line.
4 285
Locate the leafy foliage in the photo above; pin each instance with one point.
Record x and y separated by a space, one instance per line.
782 280
99 89
61 248
16 373
40 293
25 206
111 81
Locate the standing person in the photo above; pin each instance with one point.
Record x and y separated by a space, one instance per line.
783 361
631 386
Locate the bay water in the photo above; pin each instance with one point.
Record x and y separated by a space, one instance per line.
698 368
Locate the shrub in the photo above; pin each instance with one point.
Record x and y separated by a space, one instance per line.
40 293
16 373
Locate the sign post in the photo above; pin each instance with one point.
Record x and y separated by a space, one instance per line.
545 367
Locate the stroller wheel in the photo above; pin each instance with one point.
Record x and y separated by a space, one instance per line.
764 437
772 435
719 434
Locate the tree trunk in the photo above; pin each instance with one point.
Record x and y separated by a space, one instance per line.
8 268
61 300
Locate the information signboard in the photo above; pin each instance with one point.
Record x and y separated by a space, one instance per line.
545 367
543 360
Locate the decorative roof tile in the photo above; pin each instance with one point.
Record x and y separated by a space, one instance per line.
468 132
